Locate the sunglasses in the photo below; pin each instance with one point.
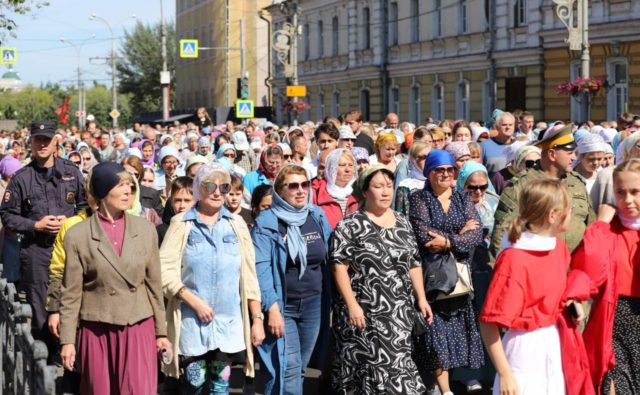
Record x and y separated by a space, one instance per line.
77 163
212 187
229 155
448 134
438 140
421 158
480 188
287 157
440 171
531 163
294 186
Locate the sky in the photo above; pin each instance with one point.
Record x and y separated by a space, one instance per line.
42 57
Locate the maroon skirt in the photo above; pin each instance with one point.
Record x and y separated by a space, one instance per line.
118 359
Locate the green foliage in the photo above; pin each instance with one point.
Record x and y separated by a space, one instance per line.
18 7
140 65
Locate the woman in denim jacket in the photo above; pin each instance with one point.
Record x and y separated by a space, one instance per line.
291 244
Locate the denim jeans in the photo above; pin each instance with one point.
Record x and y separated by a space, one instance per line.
301 328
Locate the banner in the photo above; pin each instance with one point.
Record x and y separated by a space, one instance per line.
62 111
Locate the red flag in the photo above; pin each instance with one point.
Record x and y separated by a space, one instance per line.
62 111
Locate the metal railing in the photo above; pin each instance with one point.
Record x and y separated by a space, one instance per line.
24 360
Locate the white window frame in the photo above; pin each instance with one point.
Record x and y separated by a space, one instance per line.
415 103
335 103
393 23
335 27
463 100
463 17
366 28
520 12
320 39
321 108
438 101
394 99
437 18
414 13
616 104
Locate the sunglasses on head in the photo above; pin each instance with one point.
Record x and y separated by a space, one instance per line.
294 186
480 188
440 171
212 187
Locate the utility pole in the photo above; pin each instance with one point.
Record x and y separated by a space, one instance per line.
114 87
285 43
164 74
294 53
81 98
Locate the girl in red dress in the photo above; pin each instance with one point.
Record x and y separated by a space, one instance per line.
527 296
610 255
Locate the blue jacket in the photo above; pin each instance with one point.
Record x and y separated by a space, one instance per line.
271 265
254 179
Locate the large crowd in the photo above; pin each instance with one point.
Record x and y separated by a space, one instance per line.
382 254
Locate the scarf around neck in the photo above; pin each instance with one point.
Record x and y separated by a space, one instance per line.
331 173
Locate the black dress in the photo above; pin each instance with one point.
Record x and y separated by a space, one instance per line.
377 359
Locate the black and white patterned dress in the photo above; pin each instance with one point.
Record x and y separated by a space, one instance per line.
377 359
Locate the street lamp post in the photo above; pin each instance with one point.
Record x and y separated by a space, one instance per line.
577 24
81 98
114 92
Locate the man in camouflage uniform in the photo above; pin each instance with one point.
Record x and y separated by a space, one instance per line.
558 155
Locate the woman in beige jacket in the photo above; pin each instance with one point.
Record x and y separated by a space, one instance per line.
209 278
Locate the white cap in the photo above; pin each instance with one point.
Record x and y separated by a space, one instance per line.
346 133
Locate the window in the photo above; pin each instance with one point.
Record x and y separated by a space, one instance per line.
305 38
320 105
393 23
394 100
463 106
414 12
463 27
335 104
366 33
437 18
520 13
618 96
415 105
365 102
336 36
320 39
437 101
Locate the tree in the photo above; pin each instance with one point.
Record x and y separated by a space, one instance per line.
141 63
22 7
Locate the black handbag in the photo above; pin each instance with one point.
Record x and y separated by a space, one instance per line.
440 274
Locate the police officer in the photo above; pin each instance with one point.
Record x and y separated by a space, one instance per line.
38 199
557 157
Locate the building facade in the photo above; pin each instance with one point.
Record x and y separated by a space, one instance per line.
211 79
434 58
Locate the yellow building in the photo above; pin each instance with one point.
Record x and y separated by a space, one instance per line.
211 79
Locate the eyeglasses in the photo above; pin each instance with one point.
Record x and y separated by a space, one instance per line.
294 186
480 188
438 141
447 134
440 171
212 187
288 157
531 163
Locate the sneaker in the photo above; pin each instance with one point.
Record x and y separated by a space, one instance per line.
448 393
434 391
473 386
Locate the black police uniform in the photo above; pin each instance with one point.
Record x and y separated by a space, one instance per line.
32 193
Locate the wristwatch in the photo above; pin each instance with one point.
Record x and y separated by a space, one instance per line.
258 316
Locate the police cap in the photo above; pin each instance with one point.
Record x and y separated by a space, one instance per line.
43 128
557 136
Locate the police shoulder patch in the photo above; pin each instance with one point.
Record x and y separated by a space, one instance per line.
7 197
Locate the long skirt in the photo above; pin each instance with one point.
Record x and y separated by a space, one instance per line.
536 361
118 359
626 347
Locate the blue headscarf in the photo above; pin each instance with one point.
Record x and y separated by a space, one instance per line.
223 148
467 170
436 158
294 218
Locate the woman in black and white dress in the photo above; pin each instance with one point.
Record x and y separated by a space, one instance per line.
376 265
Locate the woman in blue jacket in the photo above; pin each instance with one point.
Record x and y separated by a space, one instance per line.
291 244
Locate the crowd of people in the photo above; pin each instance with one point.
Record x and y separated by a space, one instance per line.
394 258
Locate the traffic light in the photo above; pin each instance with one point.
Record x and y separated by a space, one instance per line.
244 87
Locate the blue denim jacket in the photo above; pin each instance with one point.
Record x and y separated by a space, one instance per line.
271 264
211 271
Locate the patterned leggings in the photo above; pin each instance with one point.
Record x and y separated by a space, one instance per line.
205 374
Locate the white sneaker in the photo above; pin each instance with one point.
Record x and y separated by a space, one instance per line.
448 393
434 391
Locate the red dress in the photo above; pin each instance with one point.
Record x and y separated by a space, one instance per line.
529 290
606 254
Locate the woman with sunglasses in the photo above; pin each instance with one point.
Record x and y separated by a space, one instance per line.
520 157
229 151
291 242
210 282
445 221
415 178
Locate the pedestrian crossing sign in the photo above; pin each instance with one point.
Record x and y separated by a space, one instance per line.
188 48
244 108
8 55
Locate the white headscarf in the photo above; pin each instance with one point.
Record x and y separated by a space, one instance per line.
331 173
